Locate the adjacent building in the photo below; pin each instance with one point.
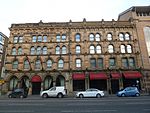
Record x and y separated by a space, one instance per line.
3 45
107 55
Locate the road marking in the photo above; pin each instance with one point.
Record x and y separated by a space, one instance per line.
26 104
87 111
15 111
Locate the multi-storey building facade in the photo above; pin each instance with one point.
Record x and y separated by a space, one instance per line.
140 16
3 44
78 55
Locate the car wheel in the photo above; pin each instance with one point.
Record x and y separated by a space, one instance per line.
123 95
137 94
44 95
60 95
9 96
98 96
21 96
81 96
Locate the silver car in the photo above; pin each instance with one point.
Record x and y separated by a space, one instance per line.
92 92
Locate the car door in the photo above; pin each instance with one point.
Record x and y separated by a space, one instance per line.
128 91
52 92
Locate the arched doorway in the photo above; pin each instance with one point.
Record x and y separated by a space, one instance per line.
25 83
60 81
48 82
36 84
13 84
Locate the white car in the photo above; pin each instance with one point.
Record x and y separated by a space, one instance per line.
92 92
58 91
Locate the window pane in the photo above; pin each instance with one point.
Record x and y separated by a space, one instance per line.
77 37
34 39
44 50
49 64
123 49
93 63
15 39
64 50
98 49
127 36
92 49
26 64
60 64
63 37
19 51
78 63
20 39
78 49
97 37
14 51
44 38
37 64
58 37
38 50
91 37
129 49
15 65
121 37
110 49
32 51
111 62
109 36
39 38
57 50
124 62
100 63
131 62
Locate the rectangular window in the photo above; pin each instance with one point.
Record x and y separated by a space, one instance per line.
100 63
112 62
78 63
124 62
131 62
93 63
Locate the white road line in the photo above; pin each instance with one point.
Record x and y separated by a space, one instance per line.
87 111
15 111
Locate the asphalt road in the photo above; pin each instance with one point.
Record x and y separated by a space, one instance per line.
75 105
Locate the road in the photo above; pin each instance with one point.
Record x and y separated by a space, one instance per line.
76 105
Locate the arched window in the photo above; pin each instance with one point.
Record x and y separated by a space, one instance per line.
123 49
92 49
109 36
97 37
39 38
78 49
19 51
45 38
63 37
48 82
131 62
34 39
98 49
57 50
38 50
13 83
13 51
129 49
20 39
110 48
15 64
58 37
78 63
26 64
127 36
37 64
60 63
64 50
32 51
77 37
44 50
121 36
49 63
91 37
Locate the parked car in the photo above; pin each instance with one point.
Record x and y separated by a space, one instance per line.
128 91
91 92
18 93
58 91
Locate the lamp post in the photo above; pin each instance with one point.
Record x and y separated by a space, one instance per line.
137 82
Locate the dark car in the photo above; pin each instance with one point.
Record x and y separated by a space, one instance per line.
18 93
128 91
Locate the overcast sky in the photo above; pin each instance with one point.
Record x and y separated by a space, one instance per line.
32 11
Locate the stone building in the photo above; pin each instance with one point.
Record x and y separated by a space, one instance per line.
78 55
140 16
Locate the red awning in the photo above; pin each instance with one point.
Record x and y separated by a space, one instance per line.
36 78
78 76
115 75
132 75
100 75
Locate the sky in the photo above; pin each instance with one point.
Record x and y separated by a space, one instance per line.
32 11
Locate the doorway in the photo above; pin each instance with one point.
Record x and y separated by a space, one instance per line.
36 88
